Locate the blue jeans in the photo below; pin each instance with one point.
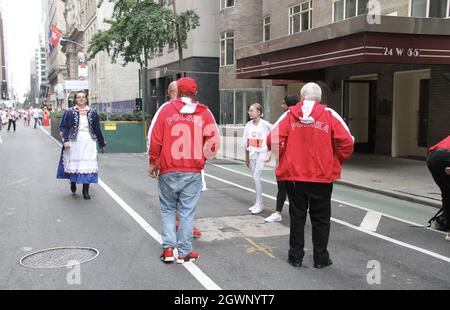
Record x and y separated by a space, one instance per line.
180 190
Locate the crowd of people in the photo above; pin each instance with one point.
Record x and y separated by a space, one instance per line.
10 116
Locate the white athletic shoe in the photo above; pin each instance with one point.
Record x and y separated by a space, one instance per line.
258 210
275 217
252 208
447 237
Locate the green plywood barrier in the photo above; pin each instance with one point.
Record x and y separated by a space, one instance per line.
124 137
121 137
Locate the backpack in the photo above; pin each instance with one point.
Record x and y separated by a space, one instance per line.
439 221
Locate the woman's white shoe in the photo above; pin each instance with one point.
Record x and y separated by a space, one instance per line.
275 217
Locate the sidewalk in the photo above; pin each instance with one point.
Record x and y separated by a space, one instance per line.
397 177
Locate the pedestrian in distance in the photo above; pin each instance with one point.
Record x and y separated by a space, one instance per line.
256 154
26 118
35 113
183 135
2 118
12 118
438 162
80 132
312 142
289 101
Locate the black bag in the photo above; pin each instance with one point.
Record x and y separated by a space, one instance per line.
439 221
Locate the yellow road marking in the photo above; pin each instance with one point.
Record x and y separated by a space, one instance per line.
260 248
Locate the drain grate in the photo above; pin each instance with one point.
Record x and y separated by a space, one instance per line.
59 257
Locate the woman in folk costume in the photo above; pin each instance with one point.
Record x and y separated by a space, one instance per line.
80 131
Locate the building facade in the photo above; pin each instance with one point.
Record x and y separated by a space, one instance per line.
113 87
3 74
53 12
200 59
384 65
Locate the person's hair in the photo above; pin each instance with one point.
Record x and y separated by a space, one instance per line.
311 91
290 101
80 92
258 107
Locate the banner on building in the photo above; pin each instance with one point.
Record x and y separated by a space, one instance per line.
82 65
43 92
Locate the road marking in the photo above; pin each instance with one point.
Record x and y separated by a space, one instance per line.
1 141
191 267
260 248
406 245
371 221
341 202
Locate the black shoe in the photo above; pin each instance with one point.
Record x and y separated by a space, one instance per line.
86 192
73 187
295 263
320 266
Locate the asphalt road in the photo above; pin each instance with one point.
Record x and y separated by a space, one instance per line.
238 250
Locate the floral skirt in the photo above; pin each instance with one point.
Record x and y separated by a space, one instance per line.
79 163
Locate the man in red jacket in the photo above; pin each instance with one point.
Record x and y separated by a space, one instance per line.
312 141
183 135
438 163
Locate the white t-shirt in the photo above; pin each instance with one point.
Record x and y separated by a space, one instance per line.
255 137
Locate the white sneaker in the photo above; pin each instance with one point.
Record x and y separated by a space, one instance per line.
252 208
258 210
275 217
447 237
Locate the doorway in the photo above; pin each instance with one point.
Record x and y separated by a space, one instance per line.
410 113
359 97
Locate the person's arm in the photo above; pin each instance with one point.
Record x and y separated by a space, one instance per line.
156 134
278 136
342 139
98 133
211 136
64 130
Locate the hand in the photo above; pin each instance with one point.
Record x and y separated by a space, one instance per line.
447 170
268 158
153 172
66 145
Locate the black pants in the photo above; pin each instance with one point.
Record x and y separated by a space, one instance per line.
281 196
11 122
437 161
317 198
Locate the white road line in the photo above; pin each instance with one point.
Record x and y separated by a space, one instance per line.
371 221
1 141
340 202
406 245
191 267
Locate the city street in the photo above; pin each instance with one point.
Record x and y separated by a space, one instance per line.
376 242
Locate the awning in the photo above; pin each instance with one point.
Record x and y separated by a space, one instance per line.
365 47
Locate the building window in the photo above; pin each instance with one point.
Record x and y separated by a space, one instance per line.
343 9
227 49
430 8
234 105
266 29
225 4
300 17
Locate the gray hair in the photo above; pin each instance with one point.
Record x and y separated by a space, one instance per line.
311 91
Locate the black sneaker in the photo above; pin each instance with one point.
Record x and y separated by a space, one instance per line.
320 266
295 263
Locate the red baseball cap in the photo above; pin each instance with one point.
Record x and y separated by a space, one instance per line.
187 85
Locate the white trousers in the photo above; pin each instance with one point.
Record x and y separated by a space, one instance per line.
257 166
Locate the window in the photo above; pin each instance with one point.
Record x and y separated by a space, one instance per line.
430 8
224 4
234 105
266 29
300 17
227 49
343 9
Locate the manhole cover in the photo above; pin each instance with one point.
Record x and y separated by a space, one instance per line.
59 257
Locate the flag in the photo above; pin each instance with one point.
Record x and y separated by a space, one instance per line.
54 37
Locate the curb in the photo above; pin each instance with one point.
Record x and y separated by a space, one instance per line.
423 201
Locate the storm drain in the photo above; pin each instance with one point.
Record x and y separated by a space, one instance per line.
59 257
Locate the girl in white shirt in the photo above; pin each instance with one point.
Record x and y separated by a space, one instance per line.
257 155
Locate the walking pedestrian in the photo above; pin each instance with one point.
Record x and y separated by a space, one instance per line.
35 113
183 135
438 163
256 155
26 118
80 131
313 142
289 101
12 118
2 118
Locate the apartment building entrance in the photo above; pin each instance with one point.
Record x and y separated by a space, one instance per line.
358 110
410 113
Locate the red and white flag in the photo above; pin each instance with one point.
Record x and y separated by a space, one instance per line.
54 37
